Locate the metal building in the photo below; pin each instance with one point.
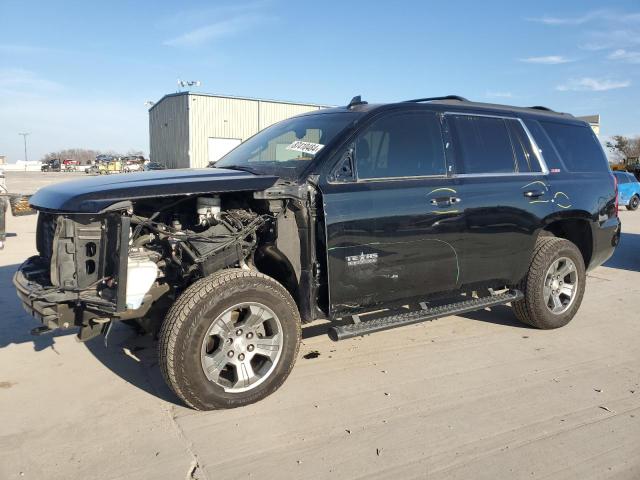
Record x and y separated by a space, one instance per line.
189 129
594 121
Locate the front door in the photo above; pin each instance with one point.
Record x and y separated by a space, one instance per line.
392 230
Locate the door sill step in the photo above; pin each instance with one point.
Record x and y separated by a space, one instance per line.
364 327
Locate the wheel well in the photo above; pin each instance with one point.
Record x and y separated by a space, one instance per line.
577 231
272 262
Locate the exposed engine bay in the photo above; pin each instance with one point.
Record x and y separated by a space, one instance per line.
194 237
117 265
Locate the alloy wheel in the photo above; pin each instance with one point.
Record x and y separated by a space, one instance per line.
242 347
560 285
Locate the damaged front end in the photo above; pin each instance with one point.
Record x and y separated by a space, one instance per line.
129 263
80 276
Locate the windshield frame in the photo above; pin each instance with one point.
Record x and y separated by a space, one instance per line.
295 174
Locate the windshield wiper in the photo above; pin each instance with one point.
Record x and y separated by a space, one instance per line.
242 168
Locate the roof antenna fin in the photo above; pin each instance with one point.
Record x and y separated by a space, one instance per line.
357 100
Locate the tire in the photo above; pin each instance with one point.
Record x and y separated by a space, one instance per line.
634 203
203 308
535 308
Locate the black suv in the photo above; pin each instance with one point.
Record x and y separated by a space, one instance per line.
438 204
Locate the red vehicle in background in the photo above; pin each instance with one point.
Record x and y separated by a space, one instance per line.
70 165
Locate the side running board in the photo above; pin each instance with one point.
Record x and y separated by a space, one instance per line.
342 332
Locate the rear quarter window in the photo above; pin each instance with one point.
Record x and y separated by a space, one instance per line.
577 147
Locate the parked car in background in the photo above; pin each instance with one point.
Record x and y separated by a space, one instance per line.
70 165
628 190
51 165
133 163
132 167
154 166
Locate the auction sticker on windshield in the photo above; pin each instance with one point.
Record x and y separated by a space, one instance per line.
305 147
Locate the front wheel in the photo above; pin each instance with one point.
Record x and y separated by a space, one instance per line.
231 339
634 203
554 285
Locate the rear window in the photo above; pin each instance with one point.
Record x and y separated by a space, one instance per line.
577 146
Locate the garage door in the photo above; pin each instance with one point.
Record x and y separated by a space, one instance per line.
219 147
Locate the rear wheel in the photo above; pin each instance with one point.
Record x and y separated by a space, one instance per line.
554 285
634 203
230 340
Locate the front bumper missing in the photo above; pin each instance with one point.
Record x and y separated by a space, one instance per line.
53 307
56 308
45 303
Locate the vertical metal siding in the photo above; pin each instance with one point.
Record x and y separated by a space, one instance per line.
169 132
224 117
180 125
218 117
272 112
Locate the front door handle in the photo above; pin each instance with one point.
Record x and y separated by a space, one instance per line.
534 193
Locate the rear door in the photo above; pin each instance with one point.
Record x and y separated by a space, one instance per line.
504 196
391 228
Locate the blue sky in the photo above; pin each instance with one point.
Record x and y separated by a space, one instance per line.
77 73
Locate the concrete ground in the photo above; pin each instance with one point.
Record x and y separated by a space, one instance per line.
476 396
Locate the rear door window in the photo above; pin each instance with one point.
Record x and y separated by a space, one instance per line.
577 146
526 160
407 144
483 144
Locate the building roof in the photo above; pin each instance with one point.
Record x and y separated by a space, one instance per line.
593 119
236 97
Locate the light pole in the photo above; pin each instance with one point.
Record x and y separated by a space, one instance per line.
24 136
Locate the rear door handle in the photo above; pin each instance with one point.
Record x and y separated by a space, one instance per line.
534 193
440 201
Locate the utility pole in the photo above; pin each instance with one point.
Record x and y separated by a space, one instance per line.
24 136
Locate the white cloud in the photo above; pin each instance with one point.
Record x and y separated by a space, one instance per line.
594 15
575 20
547 60
592 85
625 56
15 49
612 38
18 80
224 28
212 23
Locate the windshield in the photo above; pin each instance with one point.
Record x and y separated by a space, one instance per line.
286 148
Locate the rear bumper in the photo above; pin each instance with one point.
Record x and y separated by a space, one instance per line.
606 237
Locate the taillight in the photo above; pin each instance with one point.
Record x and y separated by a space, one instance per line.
615 185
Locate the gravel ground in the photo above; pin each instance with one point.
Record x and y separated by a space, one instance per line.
475 396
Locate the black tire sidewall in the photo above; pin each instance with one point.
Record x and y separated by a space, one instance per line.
544 318
634 202
205 394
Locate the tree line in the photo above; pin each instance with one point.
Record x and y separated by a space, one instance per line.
624 147
87 156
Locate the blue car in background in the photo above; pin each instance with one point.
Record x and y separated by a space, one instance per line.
628 190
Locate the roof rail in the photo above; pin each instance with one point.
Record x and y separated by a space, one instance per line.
430 99
540 107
